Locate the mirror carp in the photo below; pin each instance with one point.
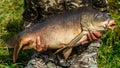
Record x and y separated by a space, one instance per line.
63 31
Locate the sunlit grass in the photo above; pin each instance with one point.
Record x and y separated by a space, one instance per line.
109 53
10 24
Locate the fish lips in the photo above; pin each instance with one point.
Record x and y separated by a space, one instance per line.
111 24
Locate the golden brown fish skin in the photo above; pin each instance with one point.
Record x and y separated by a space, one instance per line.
59 30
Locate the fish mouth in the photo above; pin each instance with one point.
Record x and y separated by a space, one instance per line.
111 24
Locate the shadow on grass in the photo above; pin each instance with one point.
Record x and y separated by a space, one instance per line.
12 29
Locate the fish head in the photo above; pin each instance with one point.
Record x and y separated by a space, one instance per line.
103 21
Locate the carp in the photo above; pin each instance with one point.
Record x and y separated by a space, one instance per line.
62 31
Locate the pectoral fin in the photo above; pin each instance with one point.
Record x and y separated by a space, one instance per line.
72 42
60 49
67 52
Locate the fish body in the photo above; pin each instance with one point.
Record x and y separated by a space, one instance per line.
58 31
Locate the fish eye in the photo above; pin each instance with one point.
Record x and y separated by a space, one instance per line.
99 15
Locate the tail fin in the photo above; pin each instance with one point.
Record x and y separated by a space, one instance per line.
17 48
15 43
12 41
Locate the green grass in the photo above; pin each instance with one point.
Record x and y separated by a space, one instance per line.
10 24
109 53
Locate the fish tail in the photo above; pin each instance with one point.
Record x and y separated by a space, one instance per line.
17 49
12 42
